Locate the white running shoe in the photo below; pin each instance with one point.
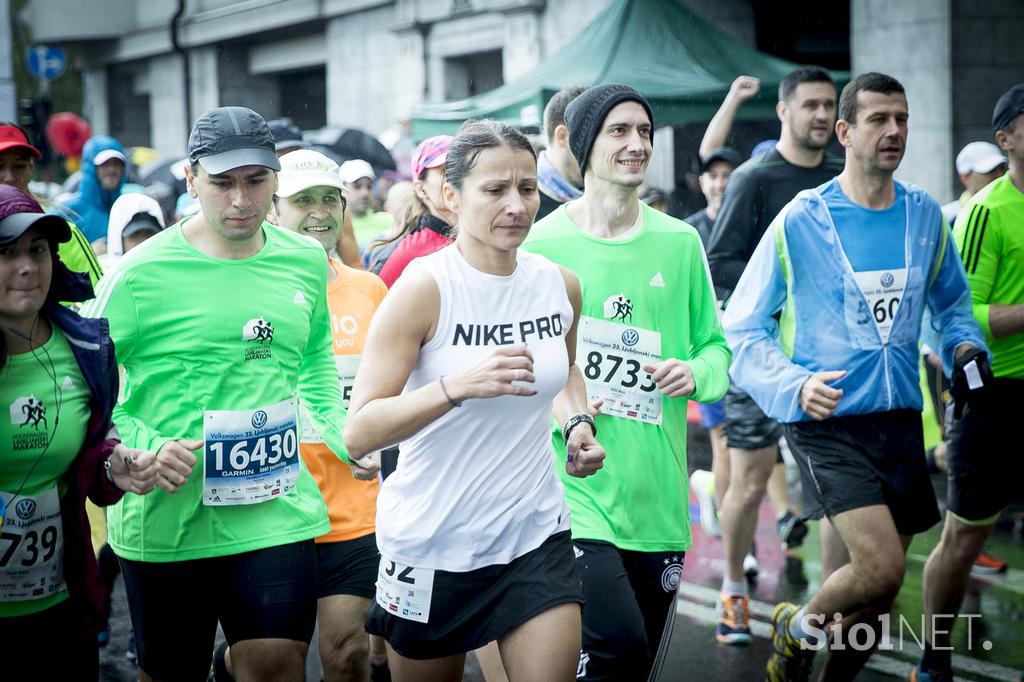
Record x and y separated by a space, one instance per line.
703 485
750 566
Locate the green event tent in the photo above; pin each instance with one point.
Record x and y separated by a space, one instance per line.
680 62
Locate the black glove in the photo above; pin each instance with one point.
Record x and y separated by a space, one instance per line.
968 370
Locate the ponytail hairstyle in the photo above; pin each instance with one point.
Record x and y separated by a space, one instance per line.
474 137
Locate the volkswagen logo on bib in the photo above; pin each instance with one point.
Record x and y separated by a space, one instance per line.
887 280
630 337
25 509
259 419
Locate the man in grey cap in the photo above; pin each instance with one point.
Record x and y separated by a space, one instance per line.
985 468
221 325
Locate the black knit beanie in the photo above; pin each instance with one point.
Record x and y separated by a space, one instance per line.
586 113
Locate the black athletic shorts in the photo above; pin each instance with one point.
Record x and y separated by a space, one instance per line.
472 608
746 426
266 593
49 645
629 595
348 567
986 469
863 460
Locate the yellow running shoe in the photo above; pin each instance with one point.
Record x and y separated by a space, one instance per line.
790 662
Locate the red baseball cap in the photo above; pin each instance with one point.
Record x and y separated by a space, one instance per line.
12 137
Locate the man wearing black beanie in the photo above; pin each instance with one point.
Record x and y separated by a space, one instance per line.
648 340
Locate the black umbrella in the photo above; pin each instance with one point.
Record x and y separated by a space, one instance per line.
169 171
352 143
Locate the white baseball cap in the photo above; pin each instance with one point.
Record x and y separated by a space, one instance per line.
978 157
305 168
108 154
355 169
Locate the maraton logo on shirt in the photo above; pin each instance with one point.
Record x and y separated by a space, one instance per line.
28 413
260 335
618 307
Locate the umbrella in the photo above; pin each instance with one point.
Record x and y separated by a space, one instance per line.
352 143
169 171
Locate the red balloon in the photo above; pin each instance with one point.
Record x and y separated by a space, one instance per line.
67 133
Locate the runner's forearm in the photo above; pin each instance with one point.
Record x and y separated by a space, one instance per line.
572 399
1006 320
384 422
720 126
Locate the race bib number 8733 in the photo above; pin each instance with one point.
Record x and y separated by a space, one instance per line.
612 357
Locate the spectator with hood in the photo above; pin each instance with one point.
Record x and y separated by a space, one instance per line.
103 178
134 218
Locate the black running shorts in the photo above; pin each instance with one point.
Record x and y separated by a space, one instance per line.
986 469
348 567
746 426
470 609
864 460
263 594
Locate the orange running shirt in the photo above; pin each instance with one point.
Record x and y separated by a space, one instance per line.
352 298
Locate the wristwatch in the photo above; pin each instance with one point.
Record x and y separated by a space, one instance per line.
575 421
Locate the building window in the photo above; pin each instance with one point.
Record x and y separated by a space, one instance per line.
304 97
470 74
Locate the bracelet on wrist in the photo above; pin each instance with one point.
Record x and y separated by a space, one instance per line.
440 380
575 421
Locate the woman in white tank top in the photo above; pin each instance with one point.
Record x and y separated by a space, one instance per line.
461 366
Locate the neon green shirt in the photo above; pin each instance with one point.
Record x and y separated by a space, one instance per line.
32 436
78 255
370 225
182 324
652 286
989 233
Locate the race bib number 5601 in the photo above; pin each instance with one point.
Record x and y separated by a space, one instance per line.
612 357
250 456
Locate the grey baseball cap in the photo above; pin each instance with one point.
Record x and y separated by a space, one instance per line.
226 138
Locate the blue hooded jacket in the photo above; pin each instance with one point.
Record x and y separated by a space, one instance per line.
800 275
91 205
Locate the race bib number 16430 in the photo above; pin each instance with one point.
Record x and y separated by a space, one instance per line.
250 456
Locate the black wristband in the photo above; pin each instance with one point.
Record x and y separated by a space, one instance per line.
575 421
440 380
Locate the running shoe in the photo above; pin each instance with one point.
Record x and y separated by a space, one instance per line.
734 625
130 653
792 530
789 662
750 566
986 564
703 485
919 674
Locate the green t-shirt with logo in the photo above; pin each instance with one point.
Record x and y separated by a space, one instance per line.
198 335
37 450
989 233
646 298
370 225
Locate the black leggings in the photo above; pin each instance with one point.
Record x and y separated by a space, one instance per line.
627 596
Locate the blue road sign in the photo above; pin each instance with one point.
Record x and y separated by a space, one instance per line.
46 62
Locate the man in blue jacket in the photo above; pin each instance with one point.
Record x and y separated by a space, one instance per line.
103 177
850 267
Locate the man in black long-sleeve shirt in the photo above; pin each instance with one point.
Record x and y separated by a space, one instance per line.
757 191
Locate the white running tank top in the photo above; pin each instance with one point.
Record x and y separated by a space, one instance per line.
478 487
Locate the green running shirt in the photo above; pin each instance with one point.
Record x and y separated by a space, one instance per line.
28 422
989 233
183 329
654 283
